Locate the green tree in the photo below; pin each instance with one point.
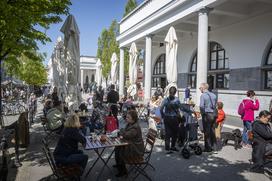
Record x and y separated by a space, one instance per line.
107 45
22 23
130 6
32 71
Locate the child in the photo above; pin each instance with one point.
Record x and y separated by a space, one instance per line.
219 121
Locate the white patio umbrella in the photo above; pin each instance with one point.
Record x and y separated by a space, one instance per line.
72 57
133 55
171 58
98 73
113 68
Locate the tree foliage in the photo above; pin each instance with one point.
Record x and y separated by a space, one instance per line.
32 71
22 22
107 45
130 6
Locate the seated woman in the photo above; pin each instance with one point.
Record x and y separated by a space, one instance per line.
47 106
66 151
133 135
262 140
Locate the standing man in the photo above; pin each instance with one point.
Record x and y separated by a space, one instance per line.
207 108
113 98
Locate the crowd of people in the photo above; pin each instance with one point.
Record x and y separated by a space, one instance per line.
167 110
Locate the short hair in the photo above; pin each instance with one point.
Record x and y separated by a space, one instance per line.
133 115
204 85
264 113
56 103
72 122
172 90
250 93
112 86
220 105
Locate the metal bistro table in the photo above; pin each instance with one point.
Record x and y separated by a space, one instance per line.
99 148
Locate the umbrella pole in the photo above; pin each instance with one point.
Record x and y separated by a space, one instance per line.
1 116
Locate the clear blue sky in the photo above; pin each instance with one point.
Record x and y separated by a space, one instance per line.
92 16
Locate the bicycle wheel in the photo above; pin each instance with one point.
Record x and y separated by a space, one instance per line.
21 109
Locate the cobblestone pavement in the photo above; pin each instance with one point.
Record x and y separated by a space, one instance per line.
229 164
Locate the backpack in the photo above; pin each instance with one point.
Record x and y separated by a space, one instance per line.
241 109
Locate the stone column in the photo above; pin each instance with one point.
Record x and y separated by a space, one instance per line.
148 64
81 77
202 50
121 72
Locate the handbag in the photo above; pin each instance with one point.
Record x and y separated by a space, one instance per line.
180 113
111 123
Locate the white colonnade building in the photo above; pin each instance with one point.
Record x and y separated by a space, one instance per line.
226 43
87 70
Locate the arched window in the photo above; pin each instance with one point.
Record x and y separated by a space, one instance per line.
268 69
218 68
192 73
159 74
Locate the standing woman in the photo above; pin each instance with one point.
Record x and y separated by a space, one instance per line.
66 151
170 114
251 104
133 135
32 106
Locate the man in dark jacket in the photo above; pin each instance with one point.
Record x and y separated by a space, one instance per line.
113 98
262 140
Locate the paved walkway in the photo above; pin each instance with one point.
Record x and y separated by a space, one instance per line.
229 164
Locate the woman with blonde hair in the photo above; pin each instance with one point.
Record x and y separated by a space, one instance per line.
66 151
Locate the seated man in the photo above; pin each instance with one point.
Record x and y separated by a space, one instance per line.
262 140
55 117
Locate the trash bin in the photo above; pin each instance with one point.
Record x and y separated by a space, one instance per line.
23 129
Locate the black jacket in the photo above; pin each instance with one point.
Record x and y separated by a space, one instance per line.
68 142
113 97
262 134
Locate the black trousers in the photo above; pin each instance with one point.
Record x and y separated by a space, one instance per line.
209 121
258 152
171 124
121 166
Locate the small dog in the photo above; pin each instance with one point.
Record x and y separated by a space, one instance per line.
235 136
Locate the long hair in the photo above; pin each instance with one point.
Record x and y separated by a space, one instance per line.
72 122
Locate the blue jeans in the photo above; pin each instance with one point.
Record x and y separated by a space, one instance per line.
247 127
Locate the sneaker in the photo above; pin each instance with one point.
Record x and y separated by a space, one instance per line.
257 170
248 146
174 149
169 152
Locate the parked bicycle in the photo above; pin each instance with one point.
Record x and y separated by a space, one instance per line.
12 108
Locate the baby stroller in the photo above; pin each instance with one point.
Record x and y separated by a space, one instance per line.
191 143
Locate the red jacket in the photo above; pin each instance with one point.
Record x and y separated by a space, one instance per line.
250 106
221 116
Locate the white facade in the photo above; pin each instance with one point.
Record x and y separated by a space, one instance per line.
242 28
87 70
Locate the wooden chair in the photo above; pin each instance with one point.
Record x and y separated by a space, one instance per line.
140 163
61 172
